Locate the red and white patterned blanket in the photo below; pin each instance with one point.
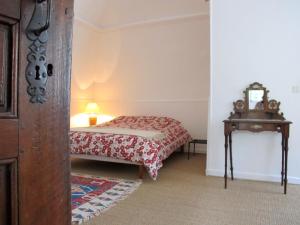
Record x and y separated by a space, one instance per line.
133 148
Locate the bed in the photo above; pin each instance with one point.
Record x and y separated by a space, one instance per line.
140 140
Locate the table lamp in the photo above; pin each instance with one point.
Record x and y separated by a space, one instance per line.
92 109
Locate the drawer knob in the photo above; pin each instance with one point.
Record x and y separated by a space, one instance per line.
256 126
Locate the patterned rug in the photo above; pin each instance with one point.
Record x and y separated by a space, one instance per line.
91 195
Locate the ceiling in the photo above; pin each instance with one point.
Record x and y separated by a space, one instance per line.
115 13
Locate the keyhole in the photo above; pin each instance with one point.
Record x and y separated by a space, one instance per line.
50 70
37 73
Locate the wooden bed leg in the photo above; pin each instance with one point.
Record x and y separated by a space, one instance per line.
141 171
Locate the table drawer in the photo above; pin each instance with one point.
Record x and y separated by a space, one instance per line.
8 139
256 127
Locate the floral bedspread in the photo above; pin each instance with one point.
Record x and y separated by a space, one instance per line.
133 148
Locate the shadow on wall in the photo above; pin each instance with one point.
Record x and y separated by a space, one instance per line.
95 54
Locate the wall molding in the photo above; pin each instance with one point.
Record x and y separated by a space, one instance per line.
82 99
166 19
170 100
88 23
154 100
253 176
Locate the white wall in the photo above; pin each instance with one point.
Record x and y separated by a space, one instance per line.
157 68
254 40
84 65
116 13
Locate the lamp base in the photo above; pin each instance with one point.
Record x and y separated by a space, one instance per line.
93 121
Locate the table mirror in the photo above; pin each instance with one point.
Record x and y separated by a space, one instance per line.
256 104
256 99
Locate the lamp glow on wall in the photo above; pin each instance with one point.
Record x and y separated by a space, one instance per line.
92 109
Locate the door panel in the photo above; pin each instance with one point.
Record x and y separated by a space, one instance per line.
8 119
9 139
8 67
10 8
8 192
34 142
5 34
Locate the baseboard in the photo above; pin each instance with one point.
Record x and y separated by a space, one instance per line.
253 176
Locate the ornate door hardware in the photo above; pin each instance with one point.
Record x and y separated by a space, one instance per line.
37 70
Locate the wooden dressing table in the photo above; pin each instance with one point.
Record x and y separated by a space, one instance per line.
256 113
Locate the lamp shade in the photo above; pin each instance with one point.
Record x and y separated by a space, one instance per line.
92 108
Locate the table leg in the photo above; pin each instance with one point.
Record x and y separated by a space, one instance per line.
230 152
282 159
194 148
189 151
182 148
226 153
286 163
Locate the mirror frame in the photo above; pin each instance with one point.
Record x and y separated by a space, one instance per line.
257 87
270 110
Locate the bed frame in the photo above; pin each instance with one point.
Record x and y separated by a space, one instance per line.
142 169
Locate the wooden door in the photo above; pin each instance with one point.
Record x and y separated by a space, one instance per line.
34 156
